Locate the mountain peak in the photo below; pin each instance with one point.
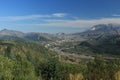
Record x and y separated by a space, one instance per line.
4 30
93 28
100 26
105 26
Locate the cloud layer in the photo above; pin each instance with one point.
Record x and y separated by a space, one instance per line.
116 15
59 14
31 17
78 23
58 20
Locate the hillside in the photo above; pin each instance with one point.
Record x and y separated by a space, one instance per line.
104 45
23 47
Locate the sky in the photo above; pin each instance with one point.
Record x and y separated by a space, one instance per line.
53 16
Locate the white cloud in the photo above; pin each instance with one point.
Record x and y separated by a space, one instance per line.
116 15
59 14
30 17
76 18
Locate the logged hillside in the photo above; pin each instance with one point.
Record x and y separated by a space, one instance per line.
24 48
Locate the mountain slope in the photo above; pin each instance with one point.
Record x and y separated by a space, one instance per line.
101 29
106 45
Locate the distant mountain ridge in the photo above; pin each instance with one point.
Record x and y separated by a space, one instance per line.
15 35
6 32
100 30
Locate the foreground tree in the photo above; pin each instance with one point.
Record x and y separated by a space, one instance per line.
23 69
6 68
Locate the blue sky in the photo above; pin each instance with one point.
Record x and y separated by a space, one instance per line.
54 16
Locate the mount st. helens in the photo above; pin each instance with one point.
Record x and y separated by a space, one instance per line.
101 29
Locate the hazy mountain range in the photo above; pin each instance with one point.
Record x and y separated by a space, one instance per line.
12 34
94 32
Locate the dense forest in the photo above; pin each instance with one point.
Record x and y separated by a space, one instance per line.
23 60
